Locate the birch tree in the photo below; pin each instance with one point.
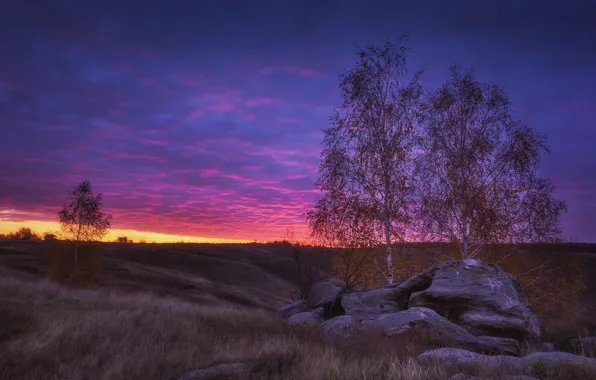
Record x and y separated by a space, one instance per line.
365 167
478 171
82 218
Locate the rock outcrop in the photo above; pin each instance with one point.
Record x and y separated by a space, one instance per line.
364 305
480 312
307 318
454 359
342 326
294 308
228 371
463 304
326 294
481 298
443 332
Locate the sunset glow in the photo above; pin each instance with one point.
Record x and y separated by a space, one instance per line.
197 135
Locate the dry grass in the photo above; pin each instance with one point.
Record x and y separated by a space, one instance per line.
160 311
51 332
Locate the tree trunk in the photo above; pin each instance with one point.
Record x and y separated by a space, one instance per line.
75 269
389 257
73 275
300 277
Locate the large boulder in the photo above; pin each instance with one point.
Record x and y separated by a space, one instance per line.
463 376
343 327
440 330
454 359
370 304
307 318
228 371
294 308
325 293
479 297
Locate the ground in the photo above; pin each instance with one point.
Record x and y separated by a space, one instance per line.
161 310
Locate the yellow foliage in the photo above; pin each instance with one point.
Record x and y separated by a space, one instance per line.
553 282
366 267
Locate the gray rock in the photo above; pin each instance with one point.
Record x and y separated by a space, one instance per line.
463 376
455 359
481 298
547 347
307 318
416 283
370 304
497 345
427 321
294 308
324 293
230 371
553 360
342 326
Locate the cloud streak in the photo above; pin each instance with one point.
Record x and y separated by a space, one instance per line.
192 129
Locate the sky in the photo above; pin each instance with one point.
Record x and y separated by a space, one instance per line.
202 120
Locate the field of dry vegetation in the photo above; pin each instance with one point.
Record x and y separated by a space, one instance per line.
159 311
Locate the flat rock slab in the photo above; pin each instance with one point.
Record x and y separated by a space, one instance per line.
423 320
463 376
324 293
294 308
307 318
342 326
479 297
455 359
230 371
370 304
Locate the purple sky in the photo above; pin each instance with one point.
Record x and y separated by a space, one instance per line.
204 118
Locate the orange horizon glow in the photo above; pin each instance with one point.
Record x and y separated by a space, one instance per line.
43 227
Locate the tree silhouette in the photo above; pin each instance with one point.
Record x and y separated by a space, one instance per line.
24 233
366 168
82 218
477 171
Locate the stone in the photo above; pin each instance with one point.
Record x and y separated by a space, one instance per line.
456 359
369 304
547 347
481 298
427 321
342 326
307 318
230 371
294 308
463 376
324 293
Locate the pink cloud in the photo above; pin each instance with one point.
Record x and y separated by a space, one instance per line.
209 172
293 70
262 101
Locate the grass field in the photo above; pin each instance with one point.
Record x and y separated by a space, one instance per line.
161 310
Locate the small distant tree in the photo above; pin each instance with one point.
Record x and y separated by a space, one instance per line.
25 233
122 239
305 266
478 171
82 218
365 170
